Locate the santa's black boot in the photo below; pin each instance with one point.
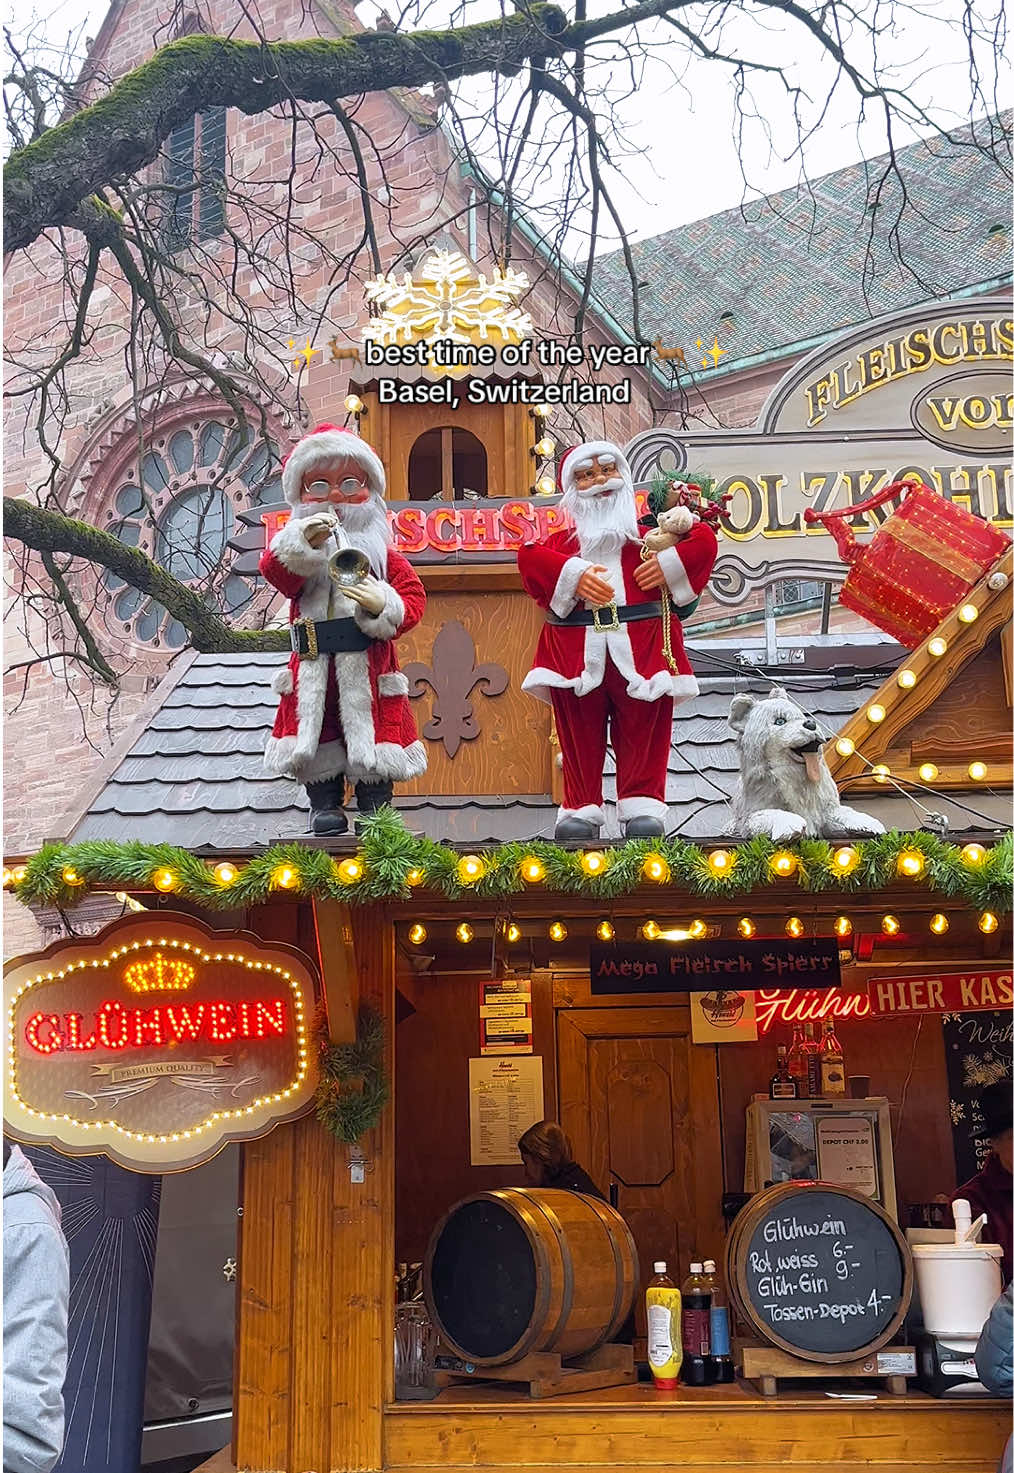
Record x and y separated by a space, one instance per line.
371 796
327 817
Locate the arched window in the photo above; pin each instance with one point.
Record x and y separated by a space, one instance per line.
448 463
179 504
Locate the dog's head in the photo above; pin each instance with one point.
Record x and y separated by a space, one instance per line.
777 733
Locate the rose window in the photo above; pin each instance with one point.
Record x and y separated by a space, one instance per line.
179 505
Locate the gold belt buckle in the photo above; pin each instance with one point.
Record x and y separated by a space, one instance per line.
312 651
614 622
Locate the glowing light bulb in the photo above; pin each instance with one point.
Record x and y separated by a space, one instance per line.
417 933
605 930
353 404
532 869
844 746
71 876
720 862
19 871
655 867
977 771
842 927
415 877
225 873
937 646
470 869
545 486
973 854
285 877
988 922
875 713
794 926
350 870
939 924
513 931
845 859
881 772
651 931
911 862
929 772
968 613
697 929
164 880
464 933
890 925
593 862
558 931
907 678
8 877
783 863
545 447
746 927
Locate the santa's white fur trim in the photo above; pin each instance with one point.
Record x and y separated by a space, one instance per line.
581 453
355 707
386 624
290 547
389 761
321 451
393 683
282 683
328 761
565 593
676 576
590 813
628 808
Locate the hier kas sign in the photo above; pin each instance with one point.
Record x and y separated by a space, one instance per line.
157 1041
712 966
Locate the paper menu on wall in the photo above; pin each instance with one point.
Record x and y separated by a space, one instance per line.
504 1099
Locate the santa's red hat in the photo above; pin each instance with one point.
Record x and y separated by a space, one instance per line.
320 449
577 453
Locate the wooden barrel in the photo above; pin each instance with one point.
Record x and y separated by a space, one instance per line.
521 1270
819 1270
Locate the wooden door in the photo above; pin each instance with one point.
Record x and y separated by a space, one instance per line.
639 1101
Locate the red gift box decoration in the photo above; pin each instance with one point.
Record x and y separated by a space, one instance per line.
919 565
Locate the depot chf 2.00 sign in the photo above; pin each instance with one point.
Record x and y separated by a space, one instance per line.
157 1041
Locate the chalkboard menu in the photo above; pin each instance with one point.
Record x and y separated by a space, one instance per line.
821 1271
978 1049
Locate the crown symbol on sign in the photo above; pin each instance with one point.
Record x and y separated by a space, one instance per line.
160 974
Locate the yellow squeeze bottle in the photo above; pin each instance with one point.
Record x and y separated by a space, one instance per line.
665 1339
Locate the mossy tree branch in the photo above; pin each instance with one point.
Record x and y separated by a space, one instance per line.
49 532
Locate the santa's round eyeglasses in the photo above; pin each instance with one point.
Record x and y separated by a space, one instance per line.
322 490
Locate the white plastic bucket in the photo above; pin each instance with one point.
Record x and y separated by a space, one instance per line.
958 1285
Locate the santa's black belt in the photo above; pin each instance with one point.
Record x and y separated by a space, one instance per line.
313 637
607 617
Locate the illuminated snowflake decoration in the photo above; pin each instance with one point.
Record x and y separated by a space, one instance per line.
957 1112
448 298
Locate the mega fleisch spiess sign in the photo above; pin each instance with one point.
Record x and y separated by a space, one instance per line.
157 1041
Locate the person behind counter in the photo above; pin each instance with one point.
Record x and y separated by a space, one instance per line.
989 1191
548 1162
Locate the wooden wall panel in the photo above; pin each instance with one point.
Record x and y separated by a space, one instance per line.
511 754
905 1061
314 1340
971 709
436 1039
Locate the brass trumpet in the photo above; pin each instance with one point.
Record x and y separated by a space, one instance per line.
348 566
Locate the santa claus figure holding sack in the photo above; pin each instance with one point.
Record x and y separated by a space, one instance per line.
344 713
610 657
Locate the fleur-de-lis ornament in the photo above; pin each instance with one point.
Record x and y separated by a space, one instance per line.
452 677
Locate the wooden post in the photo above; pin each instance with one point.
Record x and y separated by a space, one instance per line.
339 970
314 1356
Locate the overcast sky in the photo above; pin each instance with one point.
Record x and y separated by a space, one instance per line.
686 123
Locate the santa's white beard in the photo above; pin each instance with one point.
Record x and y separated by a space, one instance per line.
368 530
604 523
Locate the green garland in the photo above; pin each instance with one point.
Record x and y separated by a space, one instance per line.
389 854
353 1087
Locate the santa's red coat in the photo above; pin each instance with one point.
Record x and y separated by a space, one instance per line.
574 658
378 737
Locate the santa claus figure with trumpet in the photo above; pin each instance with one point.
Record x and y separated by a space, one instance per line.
343 714
610 657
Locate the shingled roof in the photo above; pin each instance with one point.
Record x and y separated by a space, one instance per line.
193 775
793 267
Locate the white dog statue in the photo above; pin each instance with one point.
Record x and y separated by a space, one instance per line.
785 789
